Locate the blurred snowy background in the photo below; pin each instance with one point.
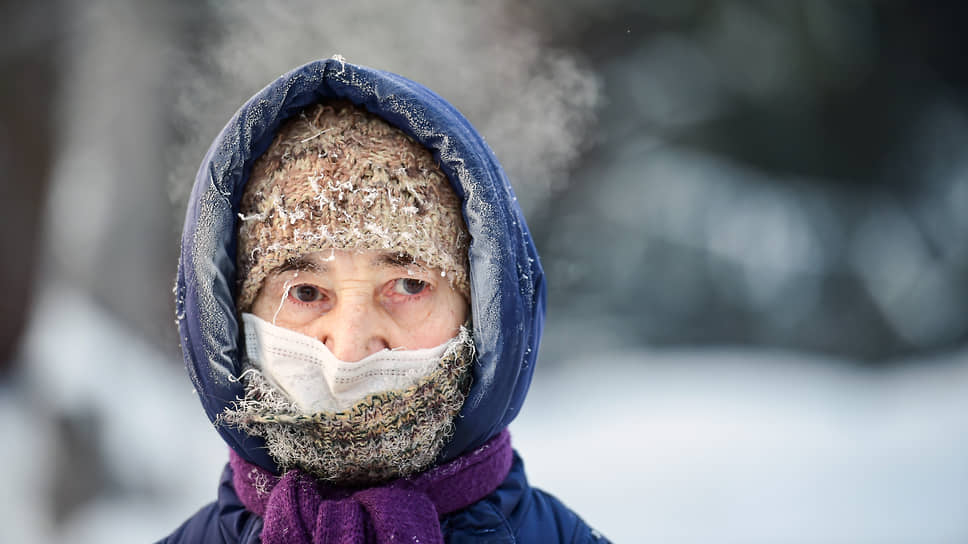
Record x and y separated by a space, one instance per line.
753 216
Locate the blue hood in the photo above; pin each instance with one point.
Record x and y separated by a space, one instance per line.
507 283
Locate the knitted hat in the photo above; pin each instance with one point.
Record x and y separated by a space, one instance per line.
338 177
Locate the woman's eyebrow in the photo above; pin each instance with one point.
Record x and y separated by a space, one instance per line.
299 264
394 260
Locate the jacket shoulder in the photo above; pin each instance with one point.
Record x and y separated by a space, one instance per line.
566 523
225 521
519 513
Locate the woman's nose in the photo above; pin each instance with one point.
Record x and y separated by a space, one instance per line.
352 330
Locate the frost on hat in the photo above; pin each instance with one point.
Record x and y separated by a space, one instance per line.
338 177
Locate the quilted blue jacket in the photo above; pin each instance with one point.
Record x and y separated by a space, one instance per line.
507 291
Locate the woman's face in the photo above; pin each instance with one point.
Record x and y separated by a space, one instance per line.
361 302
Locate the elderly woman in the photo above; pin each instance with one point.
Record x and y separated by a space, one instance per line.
360 305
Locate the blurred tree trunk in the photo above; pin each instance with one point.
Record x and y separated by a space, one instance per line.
28 86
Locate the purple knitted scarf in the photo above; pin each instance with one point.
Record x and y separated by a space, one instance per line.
297 508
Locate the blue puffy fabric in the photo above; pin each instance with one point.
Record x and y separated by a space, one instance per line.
507 288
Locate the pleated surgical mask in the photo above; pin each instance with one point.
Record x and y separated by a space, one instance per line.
316 381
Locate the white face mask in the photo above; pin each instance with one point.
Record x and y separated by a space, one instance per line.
316 381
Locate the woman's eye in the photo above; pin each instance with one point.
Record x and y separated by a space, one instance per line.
305 293
409 286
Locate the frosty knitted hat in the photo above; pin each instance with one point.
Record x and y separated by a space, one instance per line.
338 177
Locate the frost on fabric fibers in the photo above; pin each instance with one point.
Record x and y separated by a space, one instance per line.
386 435
506 285
217 328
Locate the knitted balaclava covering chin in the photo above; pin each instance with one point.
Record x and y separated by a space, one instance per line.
338 177
385 436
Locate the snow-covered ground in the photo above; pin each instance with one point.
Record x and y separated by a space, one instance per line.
648 446
696 446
